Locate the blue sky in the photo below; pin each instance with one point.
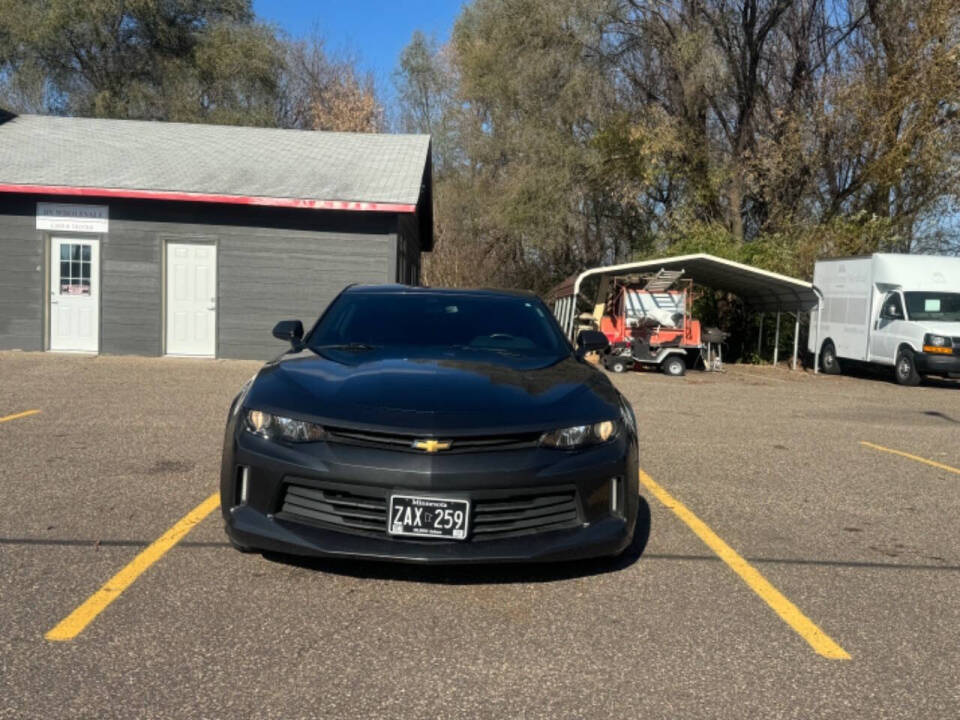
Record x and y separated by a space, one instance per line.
374 31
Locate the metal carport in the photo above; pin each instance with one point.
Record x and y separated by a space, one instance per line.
761 290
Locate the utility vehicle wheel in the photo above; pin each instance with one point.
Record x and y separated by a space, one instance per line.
829 362
617 366
906 369
674 365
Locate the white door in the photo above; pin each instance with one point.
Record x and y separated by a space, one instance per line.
75 294
191 299
884 340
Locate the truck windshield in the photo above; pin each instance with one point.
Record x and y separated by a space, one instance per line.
490 323
933 306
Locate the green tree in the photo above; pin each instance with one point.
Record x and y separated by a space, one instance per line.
194 60
581 132
426 85
519 97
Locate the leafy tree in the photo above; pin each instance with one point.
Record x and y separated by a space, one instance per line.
426 85
348 104
519 112
194 60
771 131
889 121
184 60
795 114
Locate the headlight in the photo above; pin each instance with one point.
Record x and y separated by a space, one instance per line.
274 427
937 344
580 435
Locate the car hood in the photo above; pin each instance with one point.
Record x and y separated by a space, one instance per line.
950 329
448 393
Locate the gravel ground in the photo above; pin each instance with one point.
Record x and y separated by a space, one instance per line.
864 542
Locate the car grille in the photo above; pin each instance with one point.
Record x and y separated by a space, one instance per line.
471 443
495 515
524 515
337 507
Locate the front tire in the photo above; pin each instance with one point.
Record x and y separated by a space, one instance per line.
906 368
674 366
618 366
829 361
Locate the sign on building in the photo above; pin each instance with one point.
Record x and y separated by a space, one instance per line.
68 217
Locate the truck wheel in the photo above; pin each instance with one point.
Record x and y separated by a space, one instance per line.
828 359
675 366
906 369
617 366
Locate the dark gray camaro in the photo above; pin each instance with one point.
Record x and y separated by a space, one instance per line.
427 425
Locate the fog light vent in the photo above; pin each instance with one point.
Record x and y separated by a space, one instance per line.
243 484
615 502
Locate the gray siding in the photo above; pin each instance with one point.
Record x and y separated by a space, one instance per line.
264 278
21 281
272 265
130 294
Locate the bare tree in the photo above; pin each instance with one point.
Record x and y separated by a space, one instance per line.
322 92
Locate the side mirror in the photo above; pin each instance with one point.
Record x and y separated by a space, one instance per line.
591 341
290 331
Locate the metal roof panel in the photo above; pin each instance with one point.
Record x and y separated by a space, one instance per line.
760 290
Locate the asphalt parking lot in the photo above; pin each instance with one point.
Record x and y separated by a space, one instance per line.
793 474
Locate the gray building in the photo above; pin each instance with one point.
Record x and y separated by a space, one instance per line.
151 238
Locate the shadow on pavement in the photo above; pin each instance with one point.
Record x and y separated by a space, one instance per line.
481 574
941 416
885 374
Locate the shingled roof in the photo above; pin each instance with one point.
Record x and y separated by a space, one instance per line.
213 163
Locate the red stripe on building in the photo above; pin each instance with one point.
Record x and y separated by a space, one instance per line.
302 203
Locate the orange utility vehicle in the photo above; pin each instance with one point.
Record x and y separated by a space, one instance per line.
647 320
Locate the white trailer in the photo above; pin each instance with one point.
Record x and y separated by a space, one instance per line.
902 311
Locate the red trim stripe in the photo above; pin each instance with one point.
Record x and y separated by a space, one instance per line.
303 203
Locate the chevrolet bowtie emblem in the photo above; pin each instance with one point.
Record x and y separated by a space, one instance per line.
431 446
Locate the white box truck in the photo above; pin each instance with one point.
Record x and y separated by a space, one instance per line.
902 311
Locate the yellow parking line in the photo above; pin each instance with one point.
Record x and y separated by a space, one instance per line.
933 463
75 622
788 612
15 416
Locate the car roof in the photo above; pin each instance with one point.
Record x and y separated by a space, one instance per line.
397 289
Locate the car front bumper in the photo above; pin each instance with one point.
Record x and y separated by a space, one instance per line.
261 532
933 364
265 520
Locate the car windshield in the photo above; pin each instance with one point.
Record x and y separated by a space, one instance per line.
941 306
419 319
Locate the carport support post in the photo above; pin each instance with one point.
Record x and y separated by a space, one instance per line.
760 339
796 339
776 340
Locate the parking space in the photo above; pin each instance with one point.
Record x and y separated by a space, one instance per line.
793 473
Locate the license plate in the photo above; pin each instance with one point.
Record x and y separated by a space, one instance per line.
416 516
